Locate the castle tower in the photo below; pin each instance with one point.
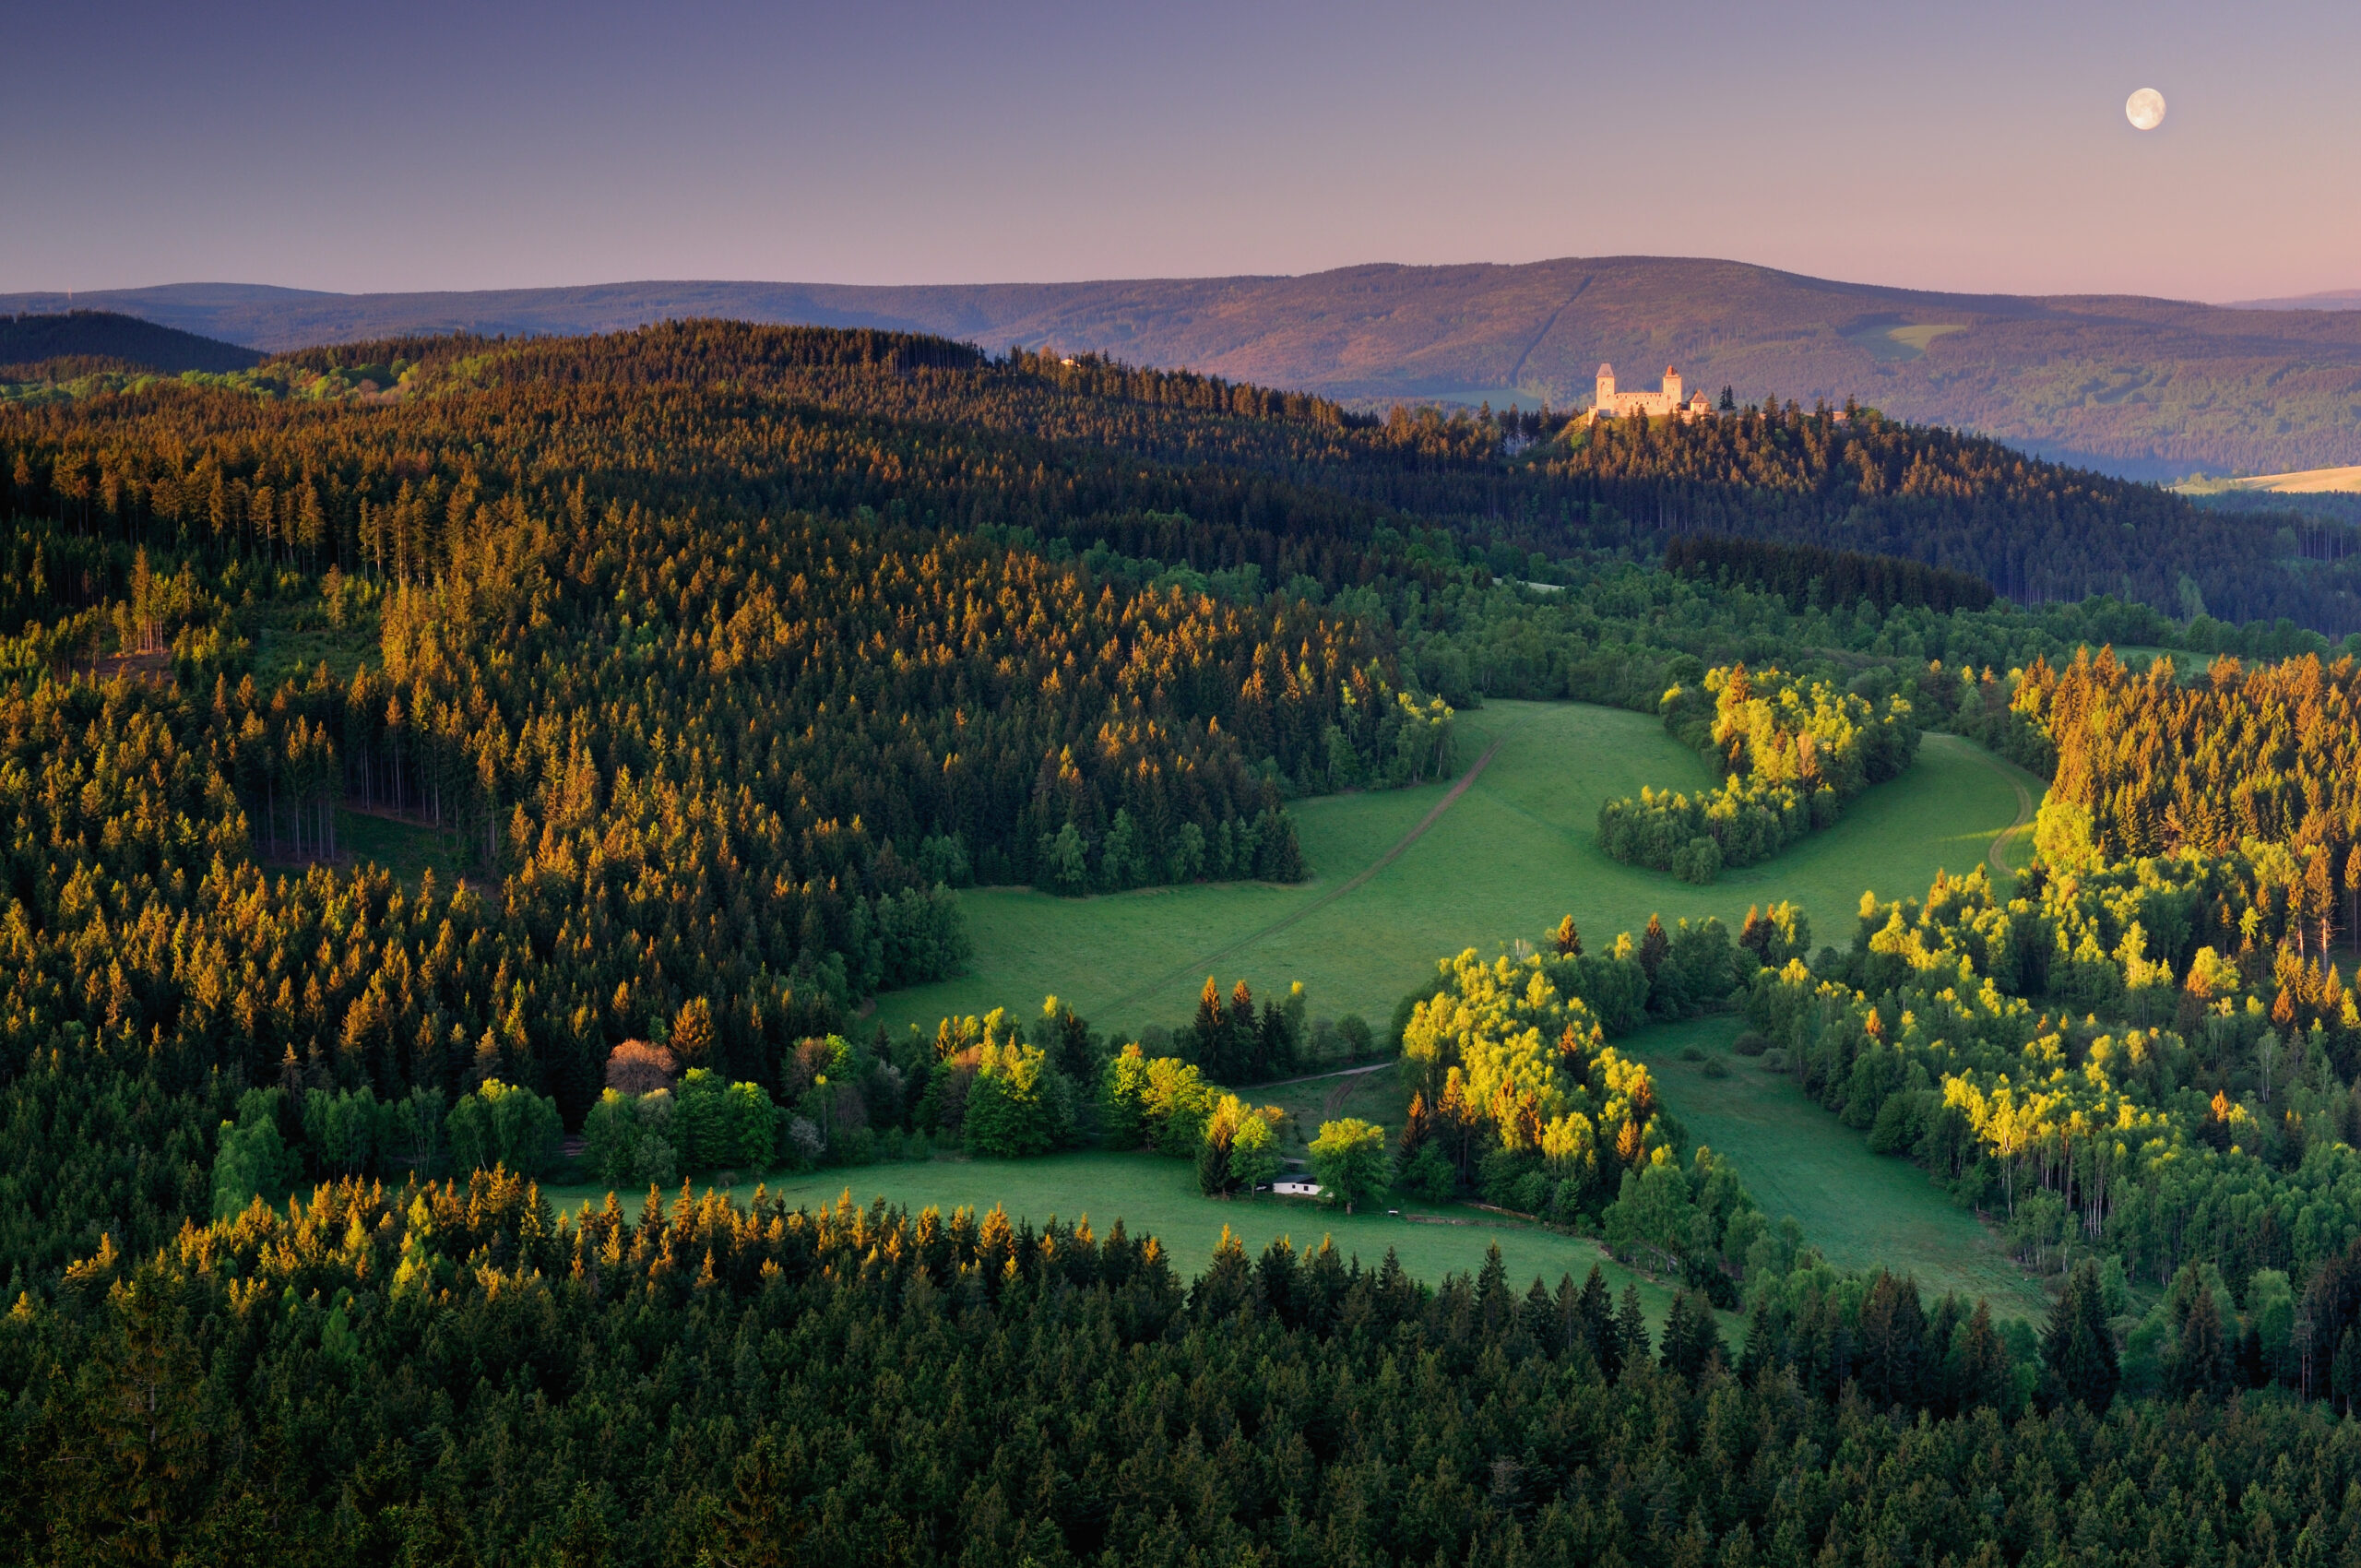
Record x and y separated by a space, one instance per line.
1605 402
1671 389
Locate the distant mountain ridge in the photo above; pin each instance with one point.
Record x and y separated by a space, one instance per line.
2333 299
2145 387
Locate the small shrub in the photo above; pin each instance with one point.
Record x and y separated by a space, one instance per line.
1690 1053
1774 1061
1750 1042
1715 1068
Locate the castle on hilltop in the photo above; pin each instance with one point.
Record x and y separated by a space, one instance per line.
1611 404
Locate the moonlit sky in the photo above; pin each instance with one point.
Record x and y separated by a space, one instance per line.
423 145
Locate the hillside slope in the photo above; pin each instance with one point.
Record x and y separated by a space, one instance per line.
2149 389
110 335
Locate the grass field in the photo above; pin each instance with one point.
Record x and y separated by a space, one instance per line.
1891 343
1513 852
1157 1196
1510 856
2304 481
1859 1208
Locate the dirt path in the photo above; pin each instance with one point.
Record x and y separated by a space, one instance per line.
2024 815
1205 963
1335 1101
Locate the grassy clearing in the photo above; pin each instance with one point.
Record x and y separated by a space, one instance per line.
406 848
1157 1196
1861 1209
1516 851
1374 1094
1898 343
1513 854
294 640
2303 481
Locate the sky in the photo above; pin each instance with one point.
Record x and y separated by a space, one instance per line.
423 146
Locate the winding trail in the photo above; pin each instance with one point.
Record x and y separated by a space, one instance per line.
2024 815
1205 962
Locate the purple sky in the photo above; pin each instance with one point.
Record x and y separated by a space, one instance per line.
422 145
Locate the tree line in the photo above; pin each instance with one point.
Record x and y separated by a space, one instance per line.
353 1379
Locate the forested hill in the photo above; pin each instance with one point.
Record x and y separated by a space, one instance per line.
88 338
1298 486
2152 387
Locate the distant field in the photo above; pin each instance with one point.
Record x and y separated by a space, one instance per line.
1861 1209
2307 482
1890 344
1515 853
1156 1196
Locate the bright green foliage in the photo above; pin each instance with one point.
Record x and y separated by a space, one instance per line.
1698 1224
703 1125
343 1129
628 1140
503 1126
1018 1104
1351 1161
1220 1170
1254 1155
1511 1057
1791 753
1943 1035
1161 1099
254 1161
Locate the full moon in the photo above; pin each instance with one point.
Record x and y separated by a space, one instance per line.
2145 109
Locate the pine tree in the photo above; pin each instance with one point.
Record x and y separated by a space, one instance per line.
1630 1330
1762 1345
1210 1030
1689 1339
2078 1349
1597 1325
2200 1361
1981 1376
1653 946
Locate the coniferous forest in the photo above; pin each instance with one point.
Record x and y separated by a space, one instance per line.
724 659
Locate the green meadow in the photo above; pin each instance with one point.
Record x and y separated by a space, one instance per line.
1510 856
1156 1196
1861 1209
1513 852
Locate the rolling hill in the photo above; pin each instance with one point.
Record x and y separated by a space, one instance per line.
2143 387
116 338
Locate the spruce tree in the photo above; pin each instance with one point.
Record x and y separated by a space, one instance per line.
2078 1349
1690 1338
1598 1328
1631 1329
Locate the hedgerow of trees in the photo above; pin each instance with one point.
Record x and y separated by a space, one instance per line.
1793 754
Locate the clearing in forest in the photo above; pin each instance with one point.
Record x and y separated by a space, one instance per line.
1515 850
1862 1210
1157 1196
